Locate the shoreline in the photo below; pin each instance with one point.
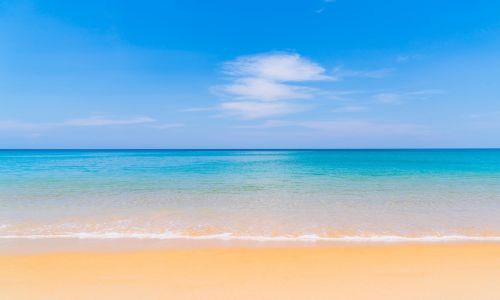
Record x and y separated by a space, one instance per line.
35 246
352 271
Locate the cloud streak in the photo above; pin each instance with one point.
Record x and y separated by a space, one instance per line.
322 9
21 125
93 121
350 109
103 121
341 73
400 97
349 128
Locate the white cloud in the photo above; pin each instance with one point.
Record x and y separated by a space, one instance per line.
265 90
276 67
282 78
254 109
103 121
258 80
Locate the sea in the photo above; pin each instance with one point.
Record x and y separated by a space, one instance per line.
429 195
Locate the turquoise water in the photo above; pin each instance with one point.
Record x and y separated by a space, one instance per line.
278 194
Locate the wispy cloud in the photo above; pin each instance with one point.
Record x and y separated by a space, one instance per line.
255 109
92 121
272 84
21 125
350 109
400 97
270 124
356 128
484 120
263 85
362 127
341 73
406 57
388 98
488 114
323 8
278 66
104 121
426 93
166 125
197 109
261 89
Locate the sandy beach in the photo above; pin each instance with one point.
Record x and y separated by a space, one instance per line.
418 271
249 150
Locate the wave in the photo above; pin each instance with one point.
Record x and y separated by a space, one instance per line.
230 236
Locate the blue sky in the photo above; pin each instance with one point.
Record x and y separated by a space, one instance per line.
249 74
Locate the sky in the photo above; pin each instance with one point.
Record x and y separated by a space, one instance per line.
249 74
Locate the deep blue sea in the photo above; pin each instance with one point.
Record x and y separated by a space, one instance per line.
251 194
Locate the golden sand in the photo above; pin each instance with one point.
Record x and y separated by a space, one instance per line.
440 271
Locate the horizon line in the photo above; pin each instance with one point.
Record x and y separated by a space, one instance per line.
244 149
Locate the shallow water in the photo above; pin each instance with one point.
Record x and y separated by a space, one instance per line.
379 195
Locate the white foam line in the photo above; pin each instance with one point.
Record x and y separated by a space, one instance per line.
229 236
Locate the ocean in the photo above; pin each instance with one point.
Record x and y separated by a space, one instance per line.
344 195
